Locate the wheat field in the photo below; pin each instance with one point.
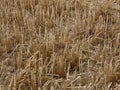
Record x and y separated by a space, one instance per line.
59 44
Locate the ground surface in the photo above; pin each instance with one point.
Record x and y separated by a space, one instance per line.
59 45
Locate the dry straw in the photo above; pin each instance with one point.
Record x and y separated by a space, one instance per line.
60 45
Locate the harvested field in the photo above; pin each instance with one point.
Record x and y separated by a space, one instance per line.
60 45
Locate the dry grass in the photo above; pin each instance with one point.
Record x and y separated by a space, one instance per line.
60 45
